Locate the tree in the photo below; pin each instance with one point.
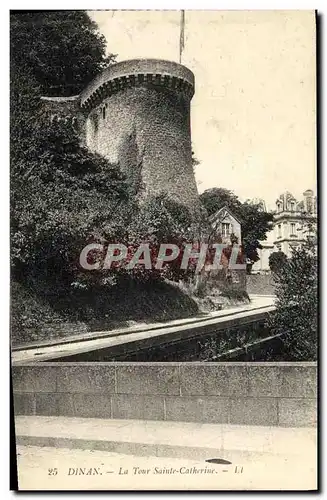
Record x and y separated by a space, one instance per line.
296 284
60 192
277 260
158 220
63 196
215 198
254 222
62 50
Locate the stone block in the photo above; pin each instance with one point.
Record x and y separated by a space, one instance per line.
138 407
184 409
213 380
264 381
297 412
216 410
147 380
197 409
253 411
298 381
85 405
34 378
24 404
90 378
47 404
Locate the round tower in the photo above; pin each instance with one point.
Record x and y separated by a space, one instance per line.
138 115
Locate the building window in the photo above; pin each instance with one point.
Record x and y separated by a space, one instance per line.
309 205
293 226
292 206
279 207
279 230
225 229
104 112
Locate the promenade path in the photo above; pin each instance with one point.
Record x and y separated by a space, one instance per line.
172 455
141 331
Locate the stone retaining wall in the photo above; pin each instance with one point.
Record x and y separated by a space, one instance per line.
260 284
272 394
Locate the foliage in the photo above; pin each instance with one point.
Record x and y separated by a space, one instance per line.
296 286
254 222
195 161
215 198
63 196
62 50
35 317
277 260
24 107
156 220
220 347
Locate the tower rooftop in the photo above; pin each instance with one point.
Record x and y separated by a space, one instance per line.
132 72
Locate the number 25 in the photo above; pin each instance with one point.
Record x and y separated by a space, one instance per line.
52 472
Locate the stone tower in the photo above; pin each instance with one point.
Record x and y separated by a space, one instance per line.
137 114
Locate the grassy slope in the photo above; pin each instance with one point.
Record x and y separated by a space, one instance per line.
35 318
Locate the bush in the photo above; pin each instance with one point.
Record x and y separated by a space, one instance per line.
62 196
296 303
277 260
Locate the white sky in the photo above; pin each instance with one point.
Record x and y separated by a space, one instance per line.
253 112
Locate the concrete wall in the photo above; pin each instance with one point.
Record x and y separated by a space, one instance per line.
277 394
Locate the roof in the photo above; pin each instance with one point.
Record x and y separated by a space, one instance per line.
285 196
216 215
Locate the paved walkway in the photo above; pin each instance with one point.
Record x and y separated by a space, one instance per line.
161 455
165 438
95 340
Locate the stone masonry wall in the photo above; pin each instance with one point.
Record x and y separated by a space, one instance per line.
269 394
65 109
138 115
146 131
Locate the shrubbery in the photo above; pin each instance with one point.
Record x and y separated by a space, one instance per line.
296 285
64 197
277 260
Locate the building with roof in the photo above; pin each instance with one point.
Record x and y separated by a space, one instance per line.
226 226
293 222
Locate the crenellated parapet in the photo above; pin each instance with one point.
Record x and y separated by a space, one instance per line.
151 73
136 113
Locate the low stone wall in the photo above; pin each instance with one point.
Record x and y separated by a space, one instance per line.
271 394
260 284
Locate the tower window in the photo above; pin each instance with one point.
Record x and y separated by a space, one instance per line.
104 112
292 228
